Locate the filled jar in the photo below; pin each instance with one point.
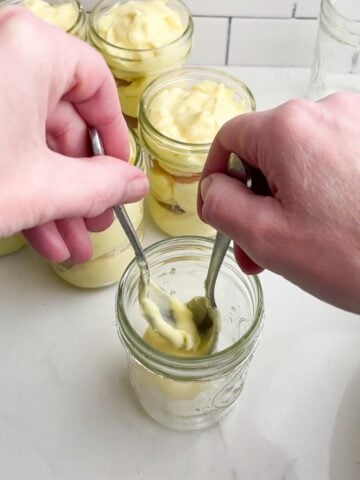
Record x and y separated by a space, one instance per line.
140 39
179 116
11 244
112 251
69 15
190 390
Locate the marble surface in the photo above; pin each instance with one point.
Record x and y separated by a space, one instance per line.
67 411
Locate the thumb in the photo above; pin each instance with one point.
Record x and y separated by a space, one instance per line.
86 187
255 223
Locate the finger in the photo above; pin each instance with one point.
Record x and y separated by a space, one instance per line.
94 96
245 263
254 222
239 135
67 132
101 222
76 238
105 181
48 242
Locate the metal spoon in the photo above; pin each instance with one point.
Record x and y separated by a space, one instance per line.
155 302
151 295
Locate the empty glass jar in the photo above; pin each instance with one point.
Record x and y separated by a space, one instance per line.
336 64
193 392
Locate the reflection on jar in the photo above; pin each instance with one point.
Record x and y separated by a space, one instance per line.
185 392
11 244
140 40
179 116
69 15
111 249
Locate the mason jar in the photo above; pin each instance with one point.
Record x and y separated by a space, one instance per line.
177 134
69 15
336 64
190 393
112 251
11 244
136 48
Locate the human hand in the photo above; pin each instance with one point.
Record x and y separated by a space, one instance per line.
53 87
309 230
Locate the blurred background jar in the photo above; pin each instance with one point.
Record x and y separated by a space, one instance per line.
336 65
11 244
182 391
111 249
179 116
69 15
140 39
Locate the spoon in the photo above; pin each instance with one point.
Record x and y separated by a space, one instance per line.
200 317
156 304
206 315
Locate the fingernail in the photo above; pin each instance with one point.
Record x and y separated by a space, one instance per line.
204 187
138 187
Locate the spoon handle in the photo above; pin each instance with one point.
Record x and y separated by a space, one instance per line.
122 215
253 179
221 244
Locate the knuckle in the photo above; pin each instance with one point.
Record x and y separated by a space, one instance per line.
291 117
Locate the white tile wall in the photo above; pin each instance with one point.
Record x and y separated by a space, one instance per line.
272 42
251 32
307 8
242 8
210 41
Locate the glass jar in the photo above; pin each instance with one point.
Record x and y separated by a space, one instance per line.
134 69
336 64
11 244
112 251
193 392
174 166
69 15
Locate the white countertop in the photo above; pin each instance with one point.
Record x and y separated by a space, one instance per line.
67 411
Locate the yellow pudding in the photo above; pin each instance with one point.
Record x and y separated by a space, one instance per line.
139 40
111 249
11 244
68 15
180 114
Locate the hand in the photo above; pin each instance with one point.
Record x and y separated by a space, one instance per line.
52 88
309 231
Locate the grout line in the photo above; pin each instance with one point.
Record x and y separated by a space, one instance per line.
294 10
227 51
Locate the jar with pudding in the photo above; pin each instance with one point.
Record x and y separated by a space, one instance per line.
112 251
190 389
179 116
69 15
11 244
139 40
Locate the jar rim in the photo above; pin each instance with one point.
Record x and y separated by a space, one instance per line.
194 367
81 15
172 78
185 34
138 157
